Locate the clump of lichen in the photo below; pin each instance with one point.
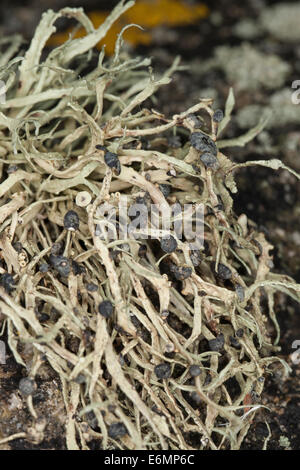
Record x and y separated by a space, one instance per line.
282 21
153 342
281 111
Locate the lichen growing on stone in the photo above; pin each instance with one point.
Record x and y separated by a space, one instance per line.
282 21
120 323
281 111
249 69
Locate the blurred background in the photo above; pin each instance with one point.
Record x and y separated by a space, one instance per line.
253 46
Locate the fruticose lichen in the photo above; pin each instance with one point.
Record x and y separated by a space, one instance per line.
125 376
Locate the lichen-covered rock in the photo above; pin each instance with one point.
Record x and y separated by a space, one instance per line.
281 109
249 69
282 21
